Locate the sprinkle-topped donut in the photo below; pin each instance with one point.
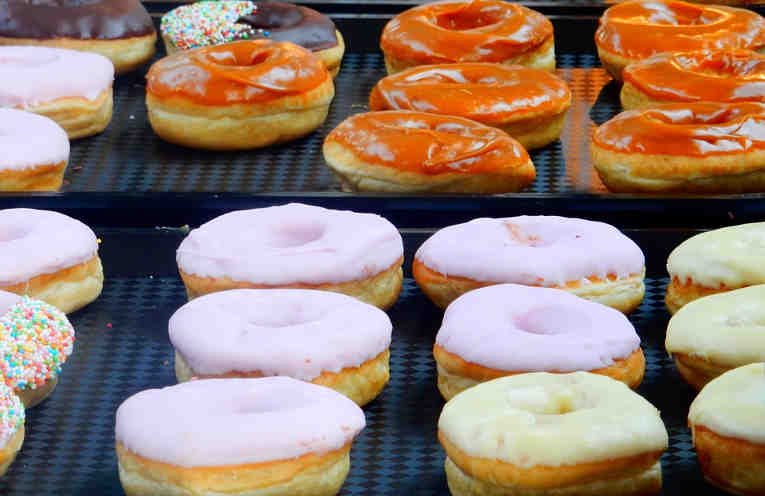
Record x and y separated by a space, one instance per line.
11 414
215 22
35 341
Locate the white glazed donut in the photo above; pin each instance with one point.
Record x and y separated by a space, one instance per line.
317 336
509 329
272 436
563 434
295 246
35 152
726 420
73 88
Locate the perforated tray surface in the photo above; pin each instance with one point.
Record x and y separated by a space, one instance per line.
122 348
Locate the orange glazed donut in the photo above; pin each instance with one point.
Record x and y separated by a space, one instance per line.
468 31
528 104
632 31
704 75
241 95
405 151
683 147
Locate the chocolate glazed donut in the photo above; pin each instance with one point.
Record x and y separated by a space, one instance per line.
121 30
299 25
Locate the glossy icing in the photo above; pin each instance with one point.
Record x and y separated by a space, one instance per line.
31 75
706 75
290 244
733 405
291 332
77 19
487 93
36 242
732 256
639 29
428 143
725 328
552 420
687 129
531 250
254 71
519 328
28 140
215 22
218 422
465 31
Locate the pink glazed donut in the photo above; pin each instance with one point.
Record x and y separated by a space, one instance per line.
73 88
272 435
295 246
508 329
49 256
35 151
590 259
317 336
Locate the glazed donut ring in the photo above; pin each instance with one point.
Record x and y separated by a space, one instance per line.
49 256
528 104
688 147
35 152
213 23
730 76
592 260
241 95
726 423
80 101
714 262
539 433
296 333
508 329
717 333
468 31
403 151
273 436
11 426
632 31
299 246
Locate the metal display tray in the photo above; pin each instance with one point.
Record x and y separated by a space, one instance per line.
122 347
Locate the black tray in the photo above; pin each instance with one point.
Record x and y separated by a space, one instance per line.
122 348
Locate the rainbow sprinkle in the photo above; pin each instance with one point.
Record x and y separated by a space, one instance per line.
209 23
11 414
35 340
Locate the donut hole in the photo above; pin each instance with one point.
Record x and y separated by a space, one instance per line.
720 115
548 403
525 236
471 16
238 56
553 319
723 64
13 232
678 14
266 403
295 234
274 313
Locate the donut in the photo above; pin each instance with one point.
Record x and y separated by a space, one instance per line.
72 88
633 31
120 30
35 340
684 148
454 31
240 437
241 95
717 333
49 256
715 262
592 260
11 427
528 104
296 333
726 423
213 23
403 151
729 76
35 152
552 434
295 246
508 329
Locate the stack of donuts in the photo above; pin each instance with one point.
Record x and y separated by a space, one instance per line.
693 95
